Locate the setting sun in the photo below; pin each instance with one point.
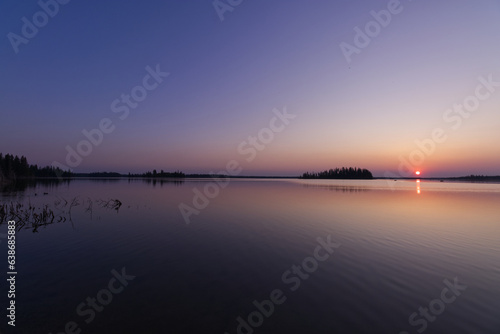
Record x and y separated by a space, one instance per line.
417 172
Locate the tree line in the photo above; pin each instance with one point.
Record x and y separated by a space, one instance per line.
154 173
14 167
340 173
473 177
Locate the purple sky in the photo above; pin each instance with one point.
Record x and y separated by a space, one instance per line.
227 76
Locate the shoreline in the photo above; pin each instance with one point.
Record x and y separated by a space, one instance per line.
487 179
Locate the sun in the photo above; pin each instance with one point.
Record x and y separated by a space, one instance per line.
417 172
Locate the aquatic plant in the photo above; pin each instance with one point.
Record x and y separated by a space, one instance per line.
27 215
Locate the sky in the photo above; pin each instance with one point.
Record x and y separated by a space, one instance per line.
357 91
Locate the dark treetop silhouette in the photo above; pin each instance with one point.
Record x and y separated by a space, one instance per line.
12 167
340 173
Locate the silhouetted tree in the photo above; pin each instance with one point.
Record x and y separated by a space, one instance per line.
176 174
340 173
13 167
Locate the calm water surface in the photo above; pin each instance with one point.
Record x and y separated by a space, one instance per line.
399 245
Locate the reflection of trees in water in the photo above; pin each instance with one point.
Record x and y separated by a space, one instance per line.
33 216
30 216
160 182
21 185
344 189
101 180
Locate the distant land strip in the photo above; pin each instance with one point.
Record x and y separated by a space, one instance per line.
14 168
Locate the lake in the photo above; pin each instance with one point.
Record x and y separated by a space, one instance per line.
259 256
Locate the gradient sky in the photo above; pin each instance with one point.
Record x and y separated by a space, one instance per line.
227 76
